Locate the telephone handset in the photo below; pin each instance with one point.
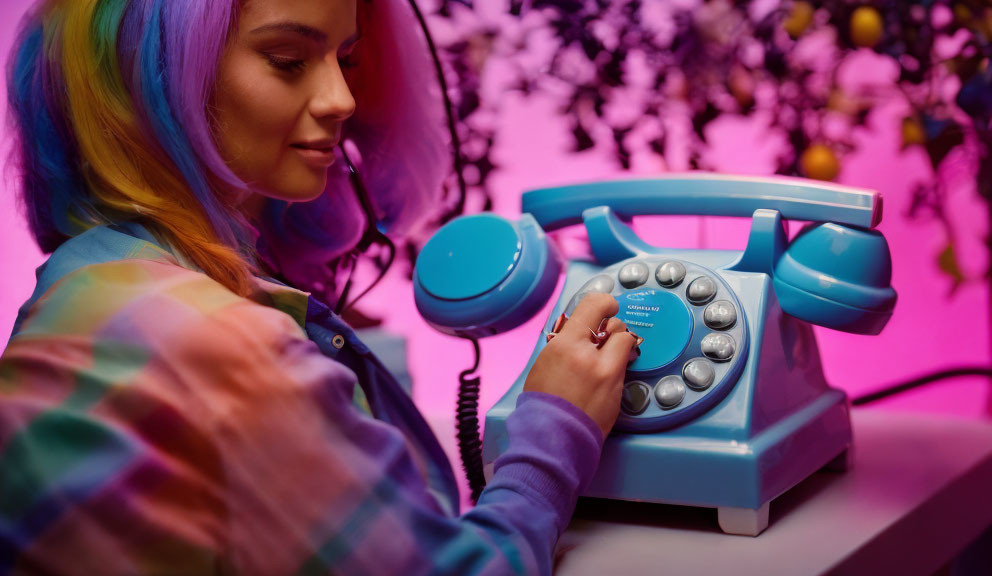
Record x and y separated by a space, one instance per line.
723 330
483 274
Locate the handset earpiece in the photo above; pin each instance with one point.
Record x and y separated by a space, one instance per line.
483 274
837 276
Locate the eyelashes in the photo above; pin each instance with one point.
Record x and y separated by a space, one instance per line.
284 64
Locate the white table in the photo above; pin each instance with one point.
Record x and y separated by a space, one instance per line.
919 492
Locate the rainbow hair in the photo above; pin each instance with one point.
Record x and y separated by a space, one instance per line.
108 102
110 107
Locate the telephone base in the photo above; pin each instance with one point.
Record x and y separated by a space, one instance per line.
778 423
678 467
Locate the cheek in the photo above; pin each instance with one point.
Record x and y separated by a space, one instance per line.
254 118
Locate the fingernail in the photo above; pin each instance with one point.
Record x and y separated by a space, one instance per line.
559 323
549 336
602 325
634 354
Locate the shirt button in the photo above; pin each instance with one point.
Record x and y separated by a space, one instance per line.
338 341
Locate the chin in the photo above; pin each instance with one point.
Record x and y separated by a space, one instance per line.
299 190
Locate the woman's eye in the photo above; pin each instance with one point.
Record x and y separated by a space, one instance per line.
285 64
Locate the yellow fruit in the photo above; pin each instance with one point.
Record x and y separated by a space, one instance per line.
841 102
962 14
819 162
799 19
912 132
867 27
741 86
984 25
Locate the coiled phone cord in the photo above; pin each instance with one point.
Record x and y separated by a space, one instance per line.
469 439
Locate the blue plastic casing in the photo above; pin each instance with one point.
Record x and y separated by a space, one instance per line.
774 424
482 274
836 274
838 277
768 419
469 257
707 195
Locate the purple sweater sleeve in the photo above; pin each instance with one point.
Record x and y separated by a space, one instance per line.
553 452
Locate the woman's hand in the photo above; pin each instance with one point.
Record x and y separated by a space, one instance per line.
573 368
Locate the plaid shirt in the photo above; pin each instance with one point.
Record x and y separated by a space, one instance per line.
153 422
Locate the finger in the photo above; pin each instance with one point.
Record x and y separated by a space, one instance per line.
615 325
616 350
588 315
606 327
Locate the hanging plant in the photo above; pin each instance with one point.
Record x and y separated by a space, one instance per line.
718 58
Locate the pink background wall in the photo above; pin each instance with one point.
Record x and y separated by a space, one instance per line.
18 253
929 329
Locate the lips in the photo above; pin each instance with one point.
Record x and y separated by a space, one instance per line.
316 145
319 153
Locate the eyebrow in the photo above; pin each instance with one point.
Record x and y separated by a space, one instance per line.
303 30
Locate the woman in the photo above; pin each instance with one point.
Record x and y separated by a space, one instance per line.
164 408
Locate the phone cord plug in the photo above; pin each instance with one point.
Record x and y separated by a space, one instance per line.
467 414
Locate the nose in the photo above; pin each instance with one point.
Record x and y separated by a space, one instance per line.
332 99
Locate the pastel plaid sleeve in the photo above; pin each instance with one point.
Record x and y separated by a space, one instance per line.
173 428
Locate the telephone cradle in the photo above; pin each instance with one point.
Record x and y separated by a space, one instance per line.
727 406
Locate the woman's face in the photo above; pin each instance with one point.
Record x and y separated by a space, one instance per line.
281 98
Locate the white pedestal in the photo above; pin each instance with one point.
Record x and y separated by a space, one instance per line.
919 491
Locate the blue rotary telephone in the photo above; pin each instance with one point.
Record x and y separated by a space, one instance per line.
727 405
